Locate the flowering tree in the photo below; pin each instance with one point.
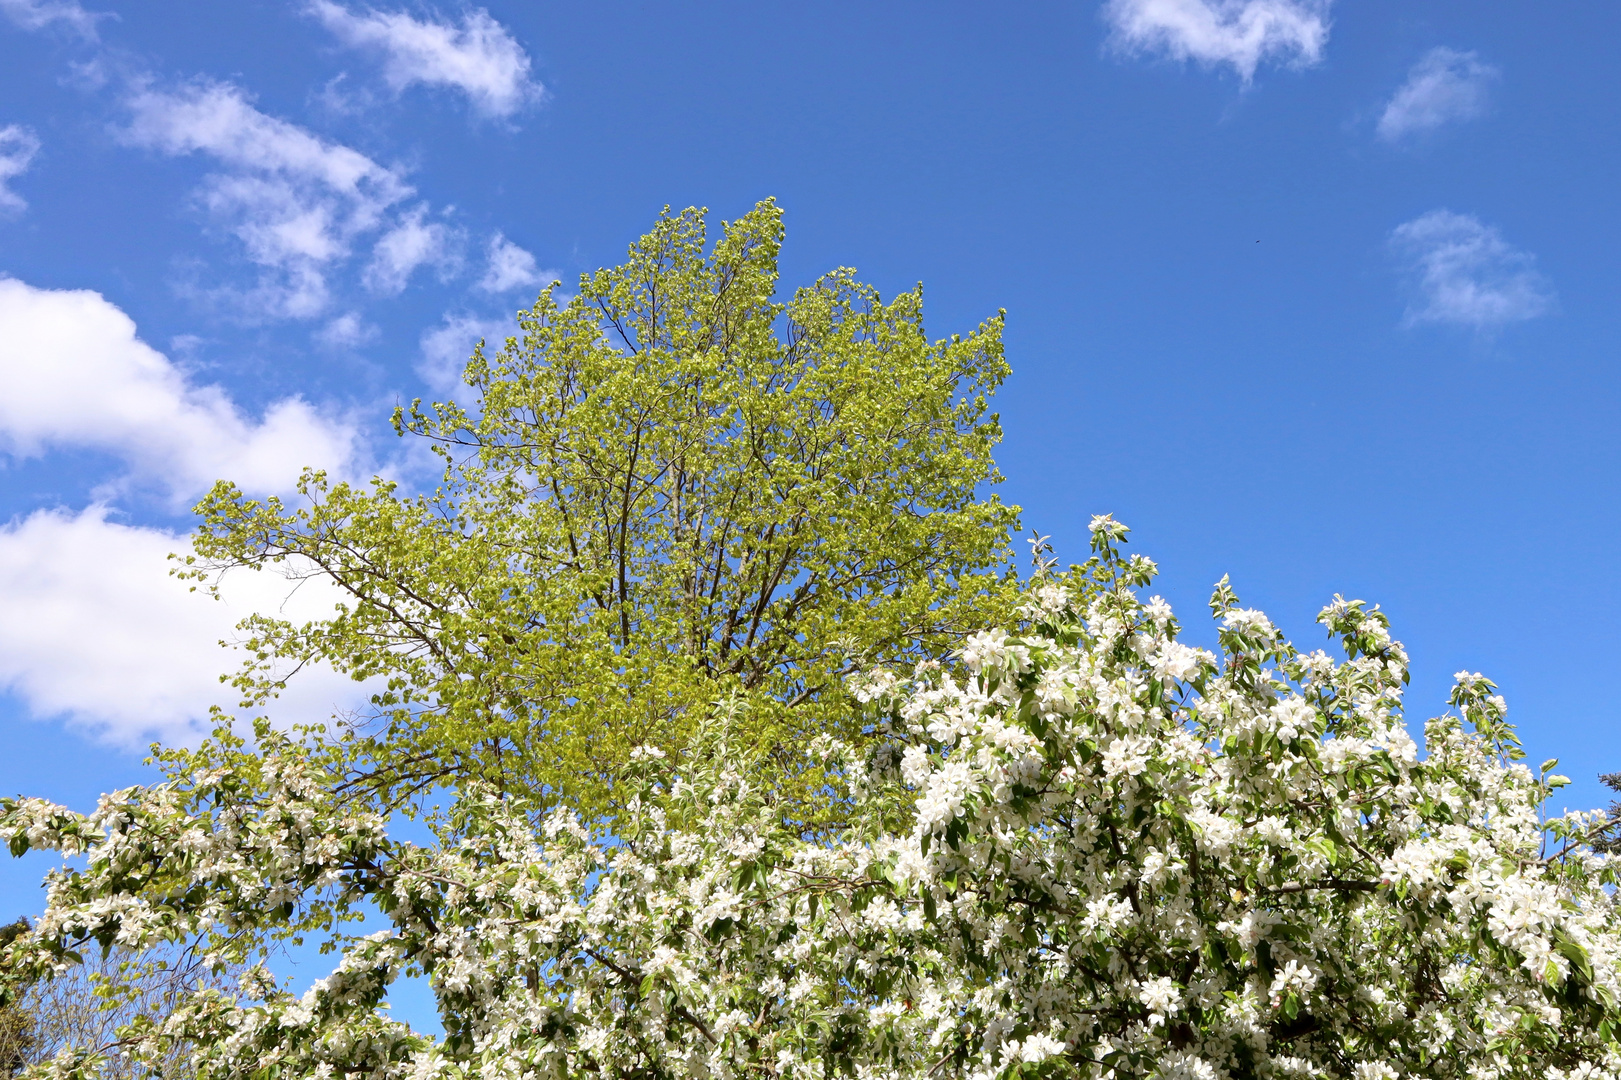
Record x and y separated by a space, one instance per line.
1118 856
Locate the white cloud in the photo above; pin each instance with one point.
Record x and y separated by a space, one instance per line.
18 145
479 57
412 243
446 348
75 374
511 267
97 632
297 202
346 331
1466 274
1444 86
94 628
1240 33
216 118
38 14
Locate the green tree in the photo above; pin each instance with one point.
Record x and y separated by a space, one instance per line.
672 489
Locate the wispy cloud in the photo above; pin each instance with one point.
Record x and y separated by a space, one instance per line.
479 57
1238 33
18 145
298 202
412 243
346 331
1444 86
446 348
40 14
511 267
1465 274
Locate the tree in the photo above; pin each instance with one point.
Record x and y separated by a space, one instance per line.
81 1009
1127 857
673 488
18 1037
1610 840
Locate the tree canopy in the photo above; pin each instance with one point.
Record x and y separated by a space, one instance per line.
674 488
1127 857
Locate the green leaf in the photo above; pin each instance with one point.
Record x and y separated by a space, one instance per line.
1577 956
684 472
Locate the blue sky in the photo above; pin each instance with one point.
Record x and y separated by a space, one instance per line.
1318 295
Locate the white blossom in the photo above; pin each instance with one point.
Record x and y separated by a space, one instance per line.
1126 859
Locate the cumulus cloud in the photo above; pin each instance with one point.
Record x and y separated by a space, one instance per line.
297 202
479 57
1238 33
446 348
511 267
98 633
1464 273
1444 86
76 375
412 243
39 14
18 145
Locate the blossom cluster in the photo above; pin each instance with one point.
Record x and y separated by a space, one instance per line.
1087 849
